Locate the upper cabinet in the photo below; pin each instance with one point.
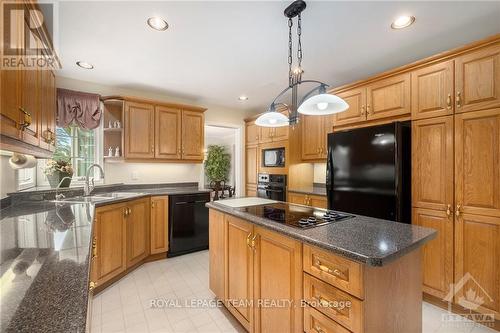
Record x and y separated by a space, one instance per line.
163 131
477 80
315 130
432 90
252 134
388 97
356 98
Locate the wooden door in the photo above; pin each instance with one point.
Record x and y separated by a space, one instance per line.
278 257
48 110
266 135
252 134
356 113
168 133
251 165
437 255
193 135
312 130
477 162
216 236
280 133
477 262
109 236
239 271
159 224
432 163
297 198
432 91
388 97
138 234
139 130
477 80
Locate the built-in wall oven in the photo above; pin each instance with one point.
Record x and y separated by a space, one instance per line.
272 187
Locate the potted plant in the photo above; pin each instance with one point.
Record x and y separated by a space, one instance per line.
56 170
217 166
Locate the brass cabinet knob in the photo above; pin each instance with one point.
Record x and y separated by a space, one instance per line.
92 285
448 210
458 99
26 121
363 107
368 109
94 248
457 211
448 102
248 239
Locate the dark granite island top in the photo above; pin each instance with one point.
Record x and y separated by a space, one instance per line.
368 240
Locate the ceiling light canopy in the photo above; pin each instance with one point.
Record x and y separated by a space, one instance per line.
403 22
243 98
85 65
316 102
157 23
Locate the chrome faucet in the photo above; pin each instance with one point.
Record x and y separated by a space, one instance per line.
60 196
89 184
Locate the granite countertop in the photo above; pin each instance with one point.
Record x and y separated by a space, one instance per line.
368 240
44 258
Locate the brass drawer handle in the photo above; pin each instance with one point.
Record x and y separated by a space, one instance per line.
448 102
26 121
363 107
94 248
448 210
318 329
368 109
92 285
252 242
248 239
326 304
459 99
328 270
457 212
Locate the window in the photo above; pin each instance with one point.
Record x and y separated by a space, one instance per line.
80 147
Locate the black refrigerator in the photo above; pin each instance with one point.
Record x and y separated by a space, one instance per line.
369 171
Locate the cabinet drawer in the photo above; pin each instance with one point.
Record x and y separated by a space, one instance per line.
334 303
316 322
342 273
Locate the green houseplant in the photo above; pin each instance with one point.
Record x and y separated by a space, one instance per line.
56 170
217 166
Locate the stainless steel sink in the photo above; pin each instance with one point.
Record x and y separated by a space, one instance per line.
97 197
117 195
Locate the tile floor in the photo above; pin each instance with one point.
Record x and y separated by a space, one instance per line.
126 306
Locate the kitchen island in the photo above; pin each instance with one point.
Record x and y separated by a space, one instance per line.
358 274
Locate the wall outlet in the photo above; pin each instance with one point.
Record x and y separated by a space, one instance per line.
134 175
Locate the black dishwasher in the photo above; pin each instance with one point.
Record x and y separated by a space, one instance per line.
188 227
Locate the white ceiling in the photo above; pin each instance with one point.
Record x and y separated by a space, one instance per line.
215 51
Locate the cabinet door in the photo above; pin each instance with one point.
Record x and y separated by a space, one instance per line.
193 135
252 133
297 198
278 257
388 97
477 80
139 130
477 262
239 271
30 103
318 201
251 191
216 232
432 163
477 162
138 221
159 224
168 133
312 130
266 134
328 122
48 110
110 236
251 165
356 98
280 133
432 91
437 255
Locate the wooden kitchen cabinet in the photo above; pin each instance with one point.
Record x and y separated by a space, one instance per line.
280 133
239 271
266 135
193 135
308 200
30 101
216 241
280 257
356 98
388 97
138 232
432 163
252 133
437 255
159 225
477 79
168 133
139 130
312 137
252 165
477 162
477 261
48 111
251 191
432 90
109 243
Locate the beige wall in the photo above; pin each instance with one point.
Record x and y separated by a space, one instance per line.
319 173
8 177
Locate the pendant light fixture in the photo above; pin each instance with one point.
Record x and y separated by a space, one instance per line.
317 102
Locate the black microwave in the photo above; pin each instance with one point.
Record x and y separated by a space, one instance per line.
274 157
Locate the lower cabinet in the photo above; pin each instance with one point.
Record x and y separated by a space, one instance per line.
245 257
120 239
159 224
308 200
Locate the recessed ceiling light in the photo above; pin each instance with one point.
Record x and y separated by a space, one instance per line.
403 22
85 65
157 23
243 98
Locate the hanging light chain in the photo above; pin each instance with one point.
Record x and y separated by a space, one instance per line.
299 44
290 47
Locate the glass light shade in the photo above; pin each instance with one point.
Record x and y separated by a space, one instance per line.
323 104
272 119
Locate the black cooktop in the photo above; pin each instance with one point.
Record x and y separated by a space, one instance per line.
296 216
